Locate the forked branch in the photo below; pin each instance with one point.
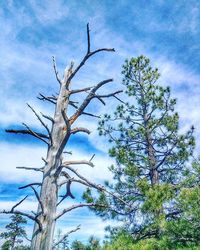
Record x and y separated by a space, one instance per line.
88 55
87 100
13 211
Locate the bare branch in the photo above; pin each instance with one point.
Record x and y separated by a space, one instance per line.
67 152
89 114
44 160
108 95
47 117
87 56
66 235
80 90
34 218
12 211
92 157
46 98
38 198
67 74
64 211
31 184
72 103
41 121
98 187
76 130
29 168
37 135
16 205
88 39
28 131
72 180
68 191
67 163
55 70
65 118
87 100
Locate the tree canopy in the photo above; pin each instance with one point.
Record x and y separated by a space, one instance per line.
153 171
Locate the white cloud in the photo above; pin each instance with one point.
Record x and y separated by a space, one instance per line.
13 155
48 12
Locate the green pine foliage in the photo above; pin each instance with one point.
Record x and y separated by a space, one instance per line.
153 172
92 244
14 233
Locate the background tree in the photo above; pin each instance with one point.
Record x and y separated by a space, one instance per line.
92 244
151 155
56 171
15 232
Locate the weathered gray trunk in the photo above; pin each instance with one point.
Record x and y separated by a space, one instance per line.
43 239
56 139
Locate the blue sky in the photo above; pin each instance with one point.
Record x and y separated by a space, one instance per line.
168 32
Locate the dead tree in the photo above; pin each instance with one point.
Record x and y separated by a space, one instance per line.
56 138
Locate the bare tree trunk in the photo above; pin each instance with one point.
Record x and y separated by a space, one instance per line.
49 189
56 139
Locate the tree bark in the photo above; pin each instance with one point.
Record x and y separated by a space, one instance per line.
49 190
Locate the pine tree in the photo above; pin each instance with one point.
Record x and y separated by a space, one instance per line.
15 231
151 155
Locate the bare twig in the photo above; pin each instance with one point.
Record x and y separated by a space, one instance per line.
88 39
55 70
66 235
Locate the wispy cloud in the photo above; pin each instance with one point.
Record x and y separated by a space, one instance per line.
33 31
